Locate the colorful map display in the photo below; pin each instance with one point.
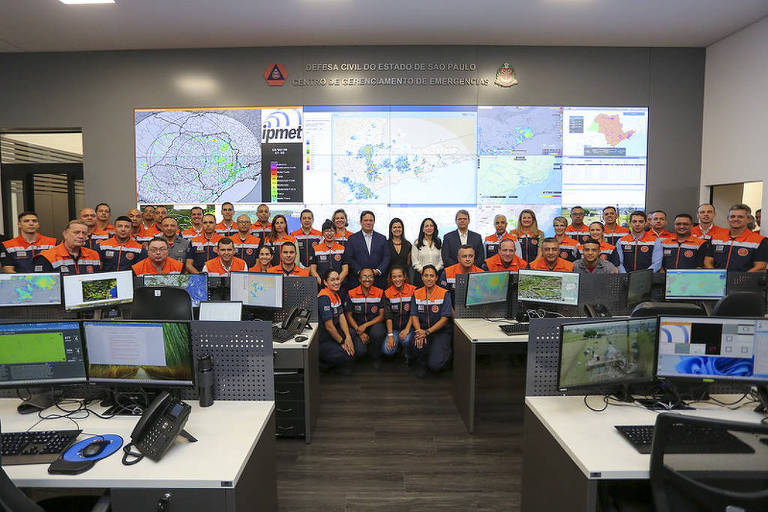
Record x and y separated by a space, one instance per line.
30 289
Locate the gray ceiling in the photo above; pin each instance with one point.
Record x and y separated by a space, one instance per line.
48 25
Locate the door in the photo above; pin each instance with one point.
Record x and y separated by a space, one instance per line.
54 191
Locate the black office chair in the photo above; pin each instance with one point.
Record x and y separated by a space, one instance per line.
708 489
740 304
668 308
161 303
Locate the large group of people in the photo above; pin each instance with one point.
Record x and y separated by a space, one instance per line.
367 304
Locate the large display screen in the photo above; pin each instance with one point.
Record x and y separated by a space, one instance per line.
406 161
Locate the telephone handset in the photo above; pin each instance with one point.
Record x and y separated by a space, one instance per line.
158 427
296 320
596 310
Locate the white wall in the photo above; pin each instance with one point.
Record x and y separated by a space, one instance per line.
735 131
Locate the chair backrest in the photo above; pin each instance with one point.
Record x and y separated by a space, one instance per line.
736 485
11 498
161 303
739 304
668 308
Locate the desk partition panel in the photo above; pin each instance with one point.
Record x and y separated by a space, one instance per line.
299 292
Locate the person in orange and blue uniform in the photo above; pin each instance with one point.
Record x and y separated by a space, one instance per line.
226 262
288 266
577 229
397 314
636 249
306 237
569 248
742 250
466 265
158 261
505 259
203 247
550 259
431 313
365 316
18 253
328 254
246 244
121 252
336 348
491 242
681 250
71 256
613 230
227 227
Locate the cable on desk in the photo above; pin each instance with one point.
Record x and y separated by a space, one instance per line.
605 403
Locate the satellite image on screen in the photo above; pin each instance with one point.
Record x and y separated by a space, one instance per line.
195 284
487 288
696 284
607 351
554 287
29 289
198 156
103 289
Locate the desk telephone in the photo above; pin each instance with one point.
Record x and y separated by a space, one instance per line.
292 325
158 427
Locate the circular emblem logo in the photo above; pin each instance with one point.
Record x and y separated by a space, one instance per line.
249 251
435 308
337 257
603 256
374 309
535 242
90 269
407 307
688 254
129 256
742 252
644 248
563 254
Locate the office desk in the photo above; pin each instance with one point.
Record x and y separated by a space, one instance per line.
568 449
297 385
231 467
469 334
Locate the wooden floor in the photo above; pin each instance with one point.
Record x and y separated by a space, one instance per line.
388 441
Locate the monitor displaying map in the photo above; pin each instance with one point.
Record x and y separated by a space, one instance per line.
487 288
602 354
195 284
548 287
695 284
404 161
30 289
257 289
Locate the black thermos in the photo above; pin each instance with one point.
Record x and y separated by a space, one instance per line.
205 380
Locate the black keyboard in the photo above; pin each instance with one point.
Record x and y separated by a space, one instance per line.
518 328
37 447
686 439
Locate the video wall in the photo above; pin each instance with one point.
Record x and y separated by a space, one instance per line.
410 162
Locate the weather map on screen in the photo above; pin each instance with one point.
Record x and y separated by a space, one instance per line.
406 161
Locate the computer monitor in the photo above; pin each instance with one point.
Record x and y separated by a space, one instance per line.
195 284
713 349
257 289
694 284
30 289
607 354
548 287
88 291
150 354
639 286
486 288
221 310
41 353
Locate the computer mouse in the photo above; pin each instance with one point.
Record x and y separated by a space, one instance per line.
300 338
764 440
26 408
95 448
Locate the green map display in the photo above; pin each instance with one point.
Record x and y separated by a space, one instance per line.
30 289
38 347
695 284
551 287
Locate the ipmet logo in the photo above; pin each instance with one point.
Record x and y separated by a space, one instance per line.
282 125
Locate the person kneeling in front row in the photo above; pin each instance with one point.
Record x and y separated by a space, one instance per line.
431 311
397 314
365 317
336 347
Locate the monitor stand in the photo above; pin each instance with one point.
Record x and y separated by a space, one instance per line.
39 399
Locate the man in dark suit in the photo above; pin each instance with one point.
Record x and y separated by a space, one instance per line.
367 249
461 236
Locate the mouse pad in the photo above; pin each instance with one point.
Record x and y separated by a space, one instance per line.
73 453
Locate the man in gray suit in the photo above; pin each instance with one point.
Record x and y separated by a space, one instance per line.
462 236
